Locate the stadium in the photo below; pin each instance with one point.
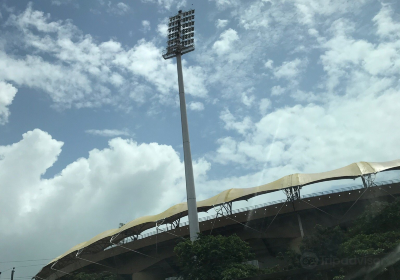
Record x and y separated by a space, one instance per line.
143 248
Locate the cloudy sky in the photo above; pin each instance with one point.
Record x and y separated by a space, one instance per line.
90 131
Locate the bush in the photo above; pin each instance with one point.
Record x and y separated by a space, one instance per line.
214 257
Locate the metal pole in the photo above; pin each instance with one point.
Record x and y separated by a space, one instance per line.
194 228
300 226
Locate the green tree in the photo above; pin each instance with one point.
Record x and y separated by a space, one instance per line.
324 242
376 231
215 258
378 217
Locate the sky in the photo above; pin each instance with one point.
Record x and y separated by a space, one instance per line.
90 132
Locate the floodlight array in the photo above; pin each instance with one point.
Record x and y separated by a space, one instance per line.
180 34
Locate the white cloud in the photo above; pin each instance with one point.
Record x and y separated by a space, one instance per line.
227 152
342 52
277 90
316 138
307 97
257 15
223 4
226 39
196 106
117 184
146 26
7 94
75 70
123 6
289 69
61 2
309 11
221 23
167 4
352 123
265 105
231 124
162 28
248 98
386 26
269 64
119 8
108 132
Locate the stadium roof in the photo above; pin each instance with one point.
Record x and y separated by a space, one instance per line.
141 224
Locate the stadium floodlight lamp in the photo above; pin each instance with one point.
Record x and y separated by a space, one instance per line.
181 41
180 34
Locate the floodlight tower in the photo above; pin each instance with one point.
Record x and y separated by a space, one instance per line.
181 41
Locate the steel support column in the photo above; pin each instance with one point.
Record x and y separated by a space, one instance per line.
194 228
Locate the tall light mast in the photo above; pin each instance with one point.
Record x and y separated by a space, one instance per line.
181 41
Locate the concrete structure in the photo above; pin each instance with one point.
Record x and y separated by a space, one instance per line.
269 228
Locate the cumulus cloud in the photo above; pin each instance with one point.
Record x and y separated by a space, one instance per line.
162 28
117 184
316 137
248 98
230 122
225 42
146 26
221 23
108 132
167 4
331 132
86 73
64 2
119 8
196 106
386 26
289 69
7 94
342 51
265 105
310 11
277 90
223 4
269 64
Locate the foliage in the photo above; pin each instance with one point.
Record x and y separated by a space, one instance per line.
291 258
339 277
214 257
272 269
370 244
379 217
376 231
324 242
238 271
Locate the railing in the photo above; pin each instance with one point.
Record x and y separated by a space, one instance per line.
255 207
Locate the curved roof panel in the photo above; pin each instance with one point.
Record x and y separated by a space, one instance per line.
138 225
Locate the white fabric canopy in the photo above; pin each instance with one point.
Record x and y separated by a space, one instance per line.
351 171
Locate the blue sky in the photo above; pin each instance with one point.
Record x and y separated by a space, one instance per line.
90 131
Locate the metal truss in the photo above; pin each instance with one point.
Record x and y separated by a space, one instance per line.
129 237
223 209
175 224
369 180
292 195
